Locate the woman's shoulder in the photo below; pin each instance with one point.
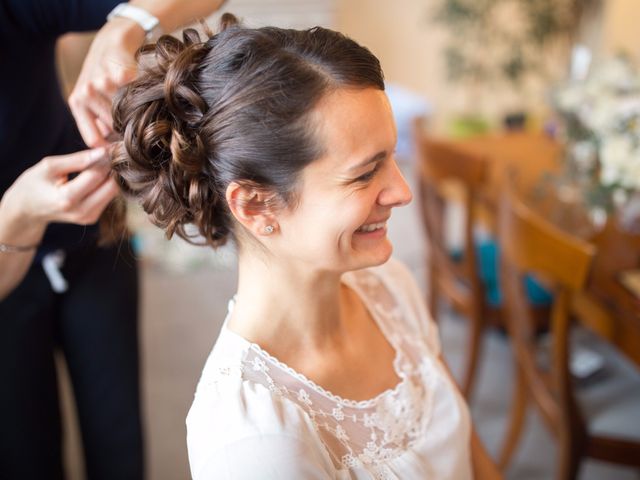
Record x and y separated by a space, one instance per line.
244 433
228 409
226 399
233 419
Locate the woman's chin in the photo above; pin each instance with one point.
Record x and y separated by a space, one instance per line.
374 256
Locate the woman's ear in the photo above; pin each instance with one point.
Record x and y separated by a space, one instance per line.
253 208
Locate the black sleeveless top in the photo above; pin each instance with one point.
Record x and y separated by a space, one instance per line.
35 121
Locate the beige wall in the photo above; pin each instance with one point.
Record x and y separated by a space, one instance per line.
620 31
409 46
402 36
70 52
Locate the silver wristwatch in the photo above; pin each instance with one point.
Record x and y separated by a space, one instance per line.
149 23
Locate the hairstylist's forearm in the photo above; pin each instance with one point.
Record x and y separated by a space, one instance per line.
42 194
12 271
13 231
174 14
13 268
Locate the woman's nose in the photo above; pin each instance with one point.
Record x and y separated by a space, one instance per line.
396 193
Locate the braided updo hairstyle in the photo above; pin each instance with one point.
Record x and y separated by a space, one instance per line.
235 107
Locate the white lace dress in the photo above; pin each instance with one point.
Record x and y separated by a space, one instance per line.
255 418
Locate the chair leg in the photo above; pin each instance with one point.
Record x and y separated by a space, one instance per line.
474 346
568 462
571 444
515 422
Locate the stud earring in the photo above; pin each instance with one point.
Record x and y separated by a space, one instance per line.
268 229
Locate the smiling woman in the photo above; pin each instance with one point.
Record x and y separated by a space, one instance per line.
325 368
339 221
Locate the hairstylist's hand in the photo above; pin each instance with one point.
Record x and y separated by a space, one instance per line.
44 194
109 64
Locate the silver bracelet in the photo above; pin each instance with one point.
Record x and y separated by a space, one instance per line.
4 248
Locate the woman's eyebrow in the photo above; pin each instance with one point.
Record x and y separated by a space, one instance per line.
375 158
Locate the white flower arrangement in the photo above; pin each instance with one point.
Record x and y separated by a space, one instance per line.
603 110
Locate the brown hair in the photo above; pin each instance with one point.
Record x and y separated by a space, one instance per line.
234 107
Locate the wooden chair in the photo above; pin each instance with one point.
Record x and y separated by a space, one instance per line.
531 244
454 278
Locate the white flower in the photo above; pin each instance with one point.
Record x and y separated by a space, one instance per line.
365 458
370 420
350 461
383 472
619 197
385 453
303 396
607 104
633 178
370 453
338 414
615 153
341 434
276 390
616 73
601 116
570 98
259 365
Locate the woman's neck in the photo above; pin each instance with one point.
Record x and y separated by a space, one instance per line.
288 308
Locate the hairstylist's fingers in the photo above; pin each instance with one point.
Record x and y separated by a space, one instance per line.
74 162
91 207
120 72
105 131
74 191
108 86
94 97
99 103
86 121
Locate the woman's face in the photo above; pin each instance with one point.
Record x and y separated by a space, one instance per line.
346 196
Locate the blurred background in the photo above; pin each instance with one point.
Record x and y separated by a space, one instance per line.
485 71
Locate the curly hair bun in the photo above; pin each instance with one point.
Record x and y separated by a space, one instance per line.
162 159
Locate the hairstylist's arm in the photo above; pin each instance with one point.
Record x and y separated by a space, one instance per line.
43 194
110 62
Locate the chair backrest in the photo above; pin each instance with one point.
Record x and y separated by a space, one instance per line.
442 163
444 160
532 245
530 242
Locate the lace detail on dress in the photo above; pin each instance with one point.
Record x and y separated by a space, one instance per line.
365 433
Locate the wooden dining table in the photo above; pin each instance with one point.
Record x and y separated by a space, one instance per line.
531 160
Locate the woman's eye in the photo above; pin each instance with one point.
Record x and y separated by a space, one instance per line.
369 175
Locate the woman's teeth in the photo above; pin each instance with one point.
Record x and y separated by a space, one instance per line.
371 227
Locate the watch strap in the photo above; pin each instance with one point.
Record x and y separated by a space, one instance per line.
149 23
